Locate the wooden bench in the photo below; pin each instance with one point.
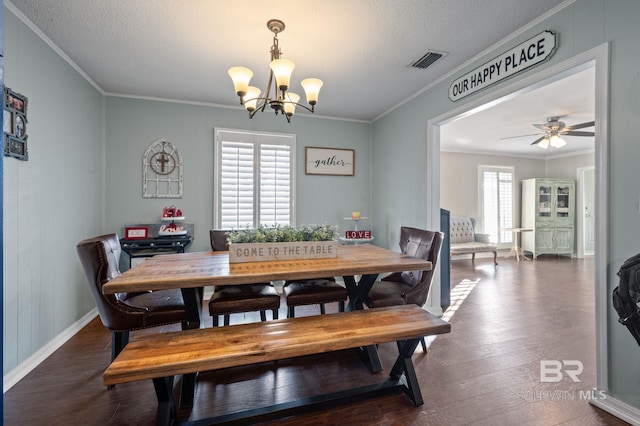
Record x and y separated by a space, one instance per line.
162 356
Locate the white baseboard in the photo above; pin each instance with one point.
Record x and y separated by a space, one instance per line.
618 408
15 375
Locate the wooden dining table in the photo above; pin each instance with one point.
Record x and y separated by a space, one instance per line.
358 265
189 271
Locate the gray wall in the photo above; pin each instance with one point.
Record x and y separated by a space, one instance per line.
459 177
400 150
132 125
84 178
459 180
51 201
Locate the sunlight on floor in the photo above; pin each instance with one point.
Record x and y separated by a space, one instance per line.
458 295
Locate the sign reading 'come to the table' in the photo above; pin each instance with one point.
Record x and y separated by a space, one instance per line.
263 252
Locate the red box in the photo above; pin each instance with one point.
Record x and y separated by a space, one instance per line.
136 232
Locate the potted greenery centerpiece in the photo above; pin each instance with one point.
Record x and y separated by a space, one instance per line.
282 242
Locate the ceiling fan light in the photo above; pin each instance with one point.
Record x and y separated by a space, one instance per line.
282 69
251 98
240 77
557 142
544 143
311 88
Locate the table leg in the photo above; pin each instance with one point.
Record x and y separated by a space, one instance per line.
358 291
193 306
357 294
516 249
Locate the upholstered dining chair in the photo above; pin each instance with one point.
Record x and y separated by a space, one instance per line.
318 291
234 299
125 312
403 288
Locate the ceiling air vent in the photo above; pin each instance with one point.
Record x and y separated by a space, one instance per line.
429 59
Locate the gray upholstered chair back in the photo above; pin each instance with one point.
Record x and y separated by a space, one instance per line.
424 245
218 239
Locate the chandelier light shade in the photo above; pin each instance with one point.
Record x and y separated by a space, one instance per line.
290 106
282 69
241 77
276 96
252 94
311 88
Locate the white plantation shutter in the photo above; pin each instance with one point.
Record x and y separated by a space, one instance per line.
275 185
497 202
236 180
254 179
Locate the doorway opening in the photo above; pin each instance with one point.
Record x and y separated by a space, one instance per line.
598 58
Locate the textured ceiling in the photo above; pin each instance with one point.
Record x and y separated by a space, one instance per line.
181 49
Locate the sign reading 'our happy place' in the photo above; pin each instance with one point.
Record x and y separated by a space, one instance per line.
525 55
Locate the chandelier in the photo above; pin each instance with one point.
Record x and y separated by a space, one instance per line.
282 101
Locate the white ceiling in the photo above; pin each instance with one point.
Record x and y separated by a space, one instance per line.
361 49
571 98
181 49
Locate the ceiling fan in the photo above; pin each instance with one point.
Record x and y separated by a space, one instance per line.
553 129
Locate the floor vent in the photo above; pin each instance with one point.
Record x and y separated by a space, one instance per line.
429 59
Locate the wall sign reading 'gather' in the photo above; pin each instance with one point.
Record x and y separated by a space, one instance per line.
162 171
329 161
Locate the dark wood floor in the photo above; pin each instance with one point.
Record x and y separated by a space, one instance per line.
505 319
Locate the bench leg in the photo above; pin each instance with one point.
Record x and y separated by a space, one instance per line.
166 406
369 355
404 365
119 340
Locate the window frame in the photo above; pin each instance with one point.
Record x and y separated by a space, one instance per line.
256 138
505 238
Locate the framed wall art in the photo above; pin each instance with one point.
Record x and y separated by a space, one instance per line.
329 161
162 171
16 148
14 125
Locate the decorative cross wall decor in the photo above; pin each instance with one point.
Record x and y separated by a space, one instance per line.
162 171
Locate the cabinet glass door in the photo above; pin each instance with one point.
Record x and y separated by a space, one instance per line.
545 201
563 201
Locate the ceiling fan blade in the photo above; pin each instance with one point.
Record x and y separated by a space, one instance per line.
581 126
538 140
522 136
574 133
543 127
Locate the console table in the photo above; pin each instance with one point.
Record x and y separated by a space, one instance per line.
149 247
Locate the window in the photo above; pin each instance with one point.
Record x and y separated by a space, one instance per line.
497 202
254 179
